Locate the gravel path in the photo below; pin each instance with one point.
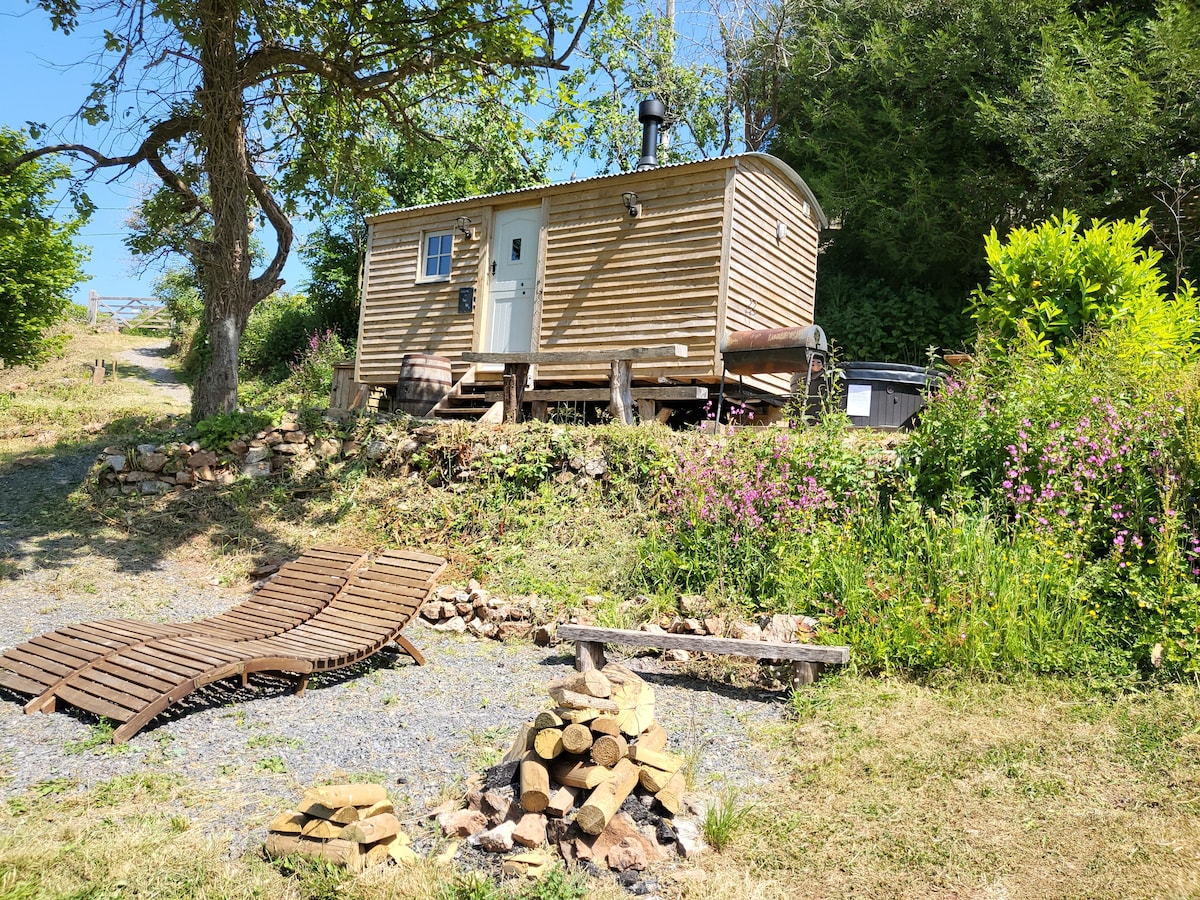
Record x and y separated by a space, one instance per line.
149 360
420 730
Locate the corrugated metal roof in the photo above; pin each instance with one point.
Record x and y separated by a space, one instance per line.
787 170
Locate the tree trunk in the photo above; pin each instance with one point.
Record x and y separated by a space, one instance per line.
224 258
215 390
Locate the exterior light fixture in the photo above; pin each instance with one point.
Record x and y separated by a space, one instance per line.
630 199
463 224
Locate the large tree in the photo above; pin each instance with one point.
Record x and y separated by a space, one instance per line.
39 260
249 110
922 124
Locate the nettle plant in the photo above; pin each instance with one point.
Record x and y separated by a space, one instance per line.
736 510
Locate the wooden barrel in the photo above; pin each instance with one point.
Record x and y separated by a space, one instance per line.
424 380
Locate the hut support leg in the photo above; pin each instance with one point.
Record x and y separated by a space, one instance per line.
515 376
720 398
620 379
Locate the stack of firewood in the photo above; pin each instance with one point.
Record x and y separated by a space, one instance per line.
591 776
351 825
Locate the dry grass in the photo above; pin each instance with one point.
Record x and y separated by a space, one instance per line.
973 790
56 402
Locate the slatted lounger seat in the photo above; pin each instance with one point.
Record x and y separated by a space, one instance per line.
135 683
297 592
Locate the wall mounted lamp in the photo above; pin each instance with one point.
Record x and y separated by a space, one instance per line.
463 224
630 199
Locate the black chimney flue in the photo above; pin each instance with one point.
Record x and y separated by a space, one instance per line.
651 114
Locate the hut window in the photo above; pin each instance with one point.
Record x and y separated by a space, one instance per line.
436 253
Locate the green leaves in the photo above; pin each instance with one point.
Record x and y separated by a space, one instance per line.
1051 282
39 261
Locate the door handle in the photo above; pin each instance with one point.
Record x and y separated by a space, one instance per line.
493 267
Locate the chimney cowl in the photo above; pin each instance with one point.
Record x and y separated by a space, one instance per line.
651 113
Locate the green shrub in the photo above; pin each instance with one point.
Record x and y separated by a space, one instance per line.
1051 282
312 374
276 335
215 432
868 319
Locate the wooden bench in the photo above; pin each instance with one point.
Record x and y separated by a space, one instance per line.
516 372
807 659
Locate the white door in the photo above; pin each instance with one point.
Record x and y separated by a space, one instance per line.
514 268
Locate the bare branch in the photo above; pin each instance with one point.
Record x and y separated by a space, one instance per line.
269 281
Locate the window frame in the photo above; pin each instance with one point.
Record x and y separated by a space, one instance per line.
424 257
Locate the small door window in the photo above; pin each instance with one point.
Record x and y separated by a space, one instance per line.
516 250
437 251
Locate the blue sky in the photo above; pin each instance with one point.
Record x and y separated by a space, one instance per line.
43 79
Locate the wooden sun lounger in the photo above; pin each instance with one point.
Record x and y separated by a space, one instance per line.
297 592
136 682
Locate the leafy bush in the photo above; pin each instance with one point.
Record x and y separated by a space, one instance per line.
868 319
312 374
277 333
215 432
1051 282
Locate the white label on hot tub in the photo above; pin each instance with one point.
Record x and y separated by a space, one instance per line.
858 399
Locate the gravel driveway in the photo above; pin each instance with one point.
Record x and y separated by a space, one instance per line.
420 730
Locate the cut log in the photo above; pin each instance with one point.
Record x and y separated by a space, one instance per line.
654 780
289 821
383 806
341 853
376 856
530 865
619 674
653 738
321 829
577 739
605 725
574 700
548 743
593 683
561 802
608 750
640 715
401 852
346 815
368 831
580 775
547 719
336 796
593 817
578 716
521 744
668 762
535 786
315 809
671 797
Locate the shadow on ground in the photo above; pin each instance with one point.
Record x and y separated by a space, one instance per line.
48 517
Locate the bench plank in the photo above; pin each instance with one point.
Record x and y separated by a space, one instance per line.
700 644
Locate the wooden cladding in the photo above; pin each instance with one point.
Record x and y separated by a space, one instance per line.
608 280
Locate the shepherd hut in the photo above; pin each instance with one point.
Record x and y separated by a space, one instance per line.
658 266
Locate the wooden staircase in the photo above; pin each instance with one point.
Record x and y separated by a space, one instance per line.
466 401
